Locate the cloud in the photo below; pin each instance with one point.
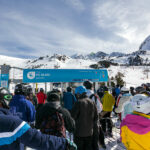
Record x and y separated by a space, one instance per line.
35 28
127 19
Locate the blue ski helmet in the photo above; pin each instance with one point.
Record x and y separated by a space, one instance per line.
80 90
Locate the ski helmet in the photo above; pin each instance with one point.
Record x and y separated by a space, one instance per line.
100 92
5 97
88 84
124 90
80 90
23 89
105 88
140 89
69 89
141 103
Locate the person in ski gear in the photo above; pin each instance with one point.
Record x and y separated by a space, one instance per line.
45 114
123 97
15 133
135 127
95 98
19 104
90 93
69 99
41 96
117 91
85 114
132 91
108 102
31 97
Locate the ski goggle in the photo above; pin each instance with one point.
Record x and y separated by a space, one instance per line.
8 97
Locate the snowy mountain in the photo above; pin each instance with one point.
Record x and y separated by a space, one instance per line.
145 44
119 62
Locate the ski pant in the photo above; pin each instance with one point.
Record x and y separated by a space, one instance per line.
84 143
106 120
101 136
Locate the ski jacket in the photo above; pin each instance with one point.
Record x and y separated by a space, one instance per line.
15 133
127 109
97 101
135 131
51 107
121 100
41 97
23 107
85 114
69 100
117 91
108 102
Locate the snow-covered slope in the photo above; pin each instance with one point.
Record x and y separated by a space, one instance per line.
13 61
146 44
134 75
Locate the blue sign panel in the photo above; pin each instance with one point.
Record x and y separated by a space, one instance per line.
64 75
4 78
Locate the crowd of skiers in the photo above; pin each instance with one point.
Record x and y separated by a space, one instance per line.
40 121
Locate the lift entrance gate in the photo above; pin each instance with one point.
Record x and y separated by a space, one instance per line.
64 75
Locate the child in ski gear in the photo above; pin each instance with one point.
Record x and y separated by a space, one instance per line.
52 119
85 114
135 127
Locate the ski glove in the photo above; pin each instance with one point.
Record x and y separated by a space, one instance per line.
71 145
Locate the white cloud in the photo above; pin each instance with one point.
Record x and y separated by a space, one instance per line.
126 18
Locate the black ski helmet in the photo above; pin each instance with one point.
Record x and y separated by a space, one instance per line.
5 97
140 89
69 89
23 89
105 88
88 84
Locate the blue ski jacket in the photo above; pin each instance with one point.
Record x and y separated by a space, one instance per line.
15 133
69 99
23 107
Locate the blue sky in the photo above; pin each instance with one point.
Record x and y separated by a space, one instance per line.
31 28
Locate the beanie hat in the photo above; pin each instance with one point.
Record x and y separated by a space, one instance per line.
51 97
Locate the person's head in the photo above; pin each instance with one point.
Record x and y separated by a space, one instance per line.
23 89
88 84
124 90
100 92
41 90
131 88
141 103
105 88
117 86
80 92
53 97
140 90
69 89
5 98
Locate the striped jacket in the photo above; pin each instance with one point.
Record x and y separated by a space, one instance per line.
15 133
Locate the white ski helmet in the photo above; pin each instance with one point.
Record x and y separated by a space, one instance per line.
124 89
141 103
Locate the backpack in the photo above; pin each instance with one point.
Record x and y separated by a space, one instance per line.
53 125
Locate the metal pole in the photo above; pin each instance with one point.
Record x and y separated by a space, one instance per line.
45 87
